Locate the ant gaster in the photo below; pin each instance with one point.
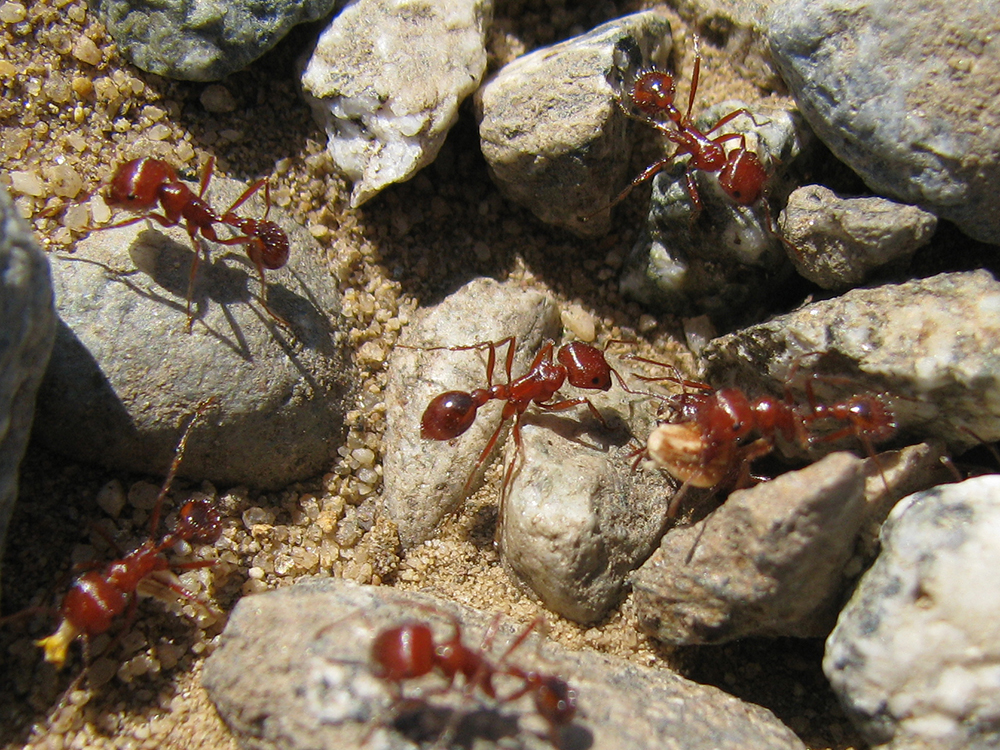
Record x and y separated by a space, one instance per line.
97 597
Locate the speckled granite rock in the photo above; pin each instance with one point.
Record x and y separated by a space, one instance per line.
905 93
125 373
913 657
202 41
27 328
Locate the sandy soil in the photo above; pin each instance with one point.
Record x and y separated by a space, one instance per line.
70 108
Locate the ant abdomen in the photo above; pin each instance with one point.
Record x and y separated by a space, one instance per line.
449 415
404 652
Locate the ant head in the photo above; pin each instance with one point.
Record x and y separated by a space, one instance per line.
448 416
404 652
743 177
870 417
135 185
198 522
585 366
653 94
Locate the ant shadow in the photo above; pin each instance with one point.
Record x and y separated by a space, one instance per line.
421 723
599 437
167 264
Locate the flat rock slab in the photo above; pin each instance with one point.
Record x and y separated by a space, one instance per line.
125 375
293 671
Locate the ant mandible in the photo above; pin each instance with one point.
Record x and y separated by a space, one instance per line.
742 175
96 598
452 413
408 651
707 440
141 184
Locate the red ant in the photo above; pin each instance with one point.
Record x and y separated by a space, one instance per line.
705 443
408 651
452 413
141 184
96 598
742 175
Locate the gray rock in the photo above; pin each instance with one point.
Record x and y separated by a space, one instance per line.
27 328
725 259
293 671
125 374
929 349
202 41
577 519
905 94
838 241
913 657
425 480
769 562
553 135
386 80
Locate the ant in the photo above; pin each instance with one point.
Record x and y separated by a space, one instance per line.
141 184
96 598
452 413
707 441
741 173
408 651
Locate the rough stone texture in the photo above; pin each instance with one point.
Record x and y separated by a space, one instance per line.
907 94
386 79
27 328
425 480
769 562
577 519
931 347
125 375
914 655
292 671
551 130
725 259
202 41
837 241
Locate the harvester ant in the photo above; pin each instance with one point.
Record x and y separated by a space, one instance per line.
409 651
709 439
741 172
452 413
99 596
141 184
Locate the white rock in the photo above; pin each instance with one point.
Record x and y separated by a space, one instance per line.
386 79
914 655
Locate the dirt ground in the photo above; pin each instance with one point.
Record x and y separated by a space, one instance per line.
71 107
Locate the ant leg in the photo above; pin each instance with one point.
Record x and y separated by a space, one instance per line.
692 188
206 176
160 219
199 411
250 191
570 403
263 297
732 116
695 74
